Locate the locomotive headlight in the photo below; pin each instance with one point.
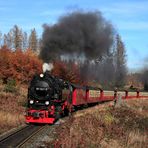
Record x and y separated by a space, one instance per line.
41 75
47 102
31 101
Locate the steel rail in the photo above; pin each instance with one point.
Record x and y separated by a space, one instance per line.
19 137
29 137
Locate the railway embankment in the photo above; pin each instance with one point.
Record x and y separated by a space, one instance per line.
12 107
105 126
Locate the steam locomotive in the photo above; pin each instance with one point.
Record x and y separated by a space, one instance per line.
49 98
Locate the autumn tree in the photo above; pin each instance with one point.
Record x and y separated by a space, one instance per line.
33 41
67 71
14 38
5 39
19 65
25 40
17 37
120 64
8 39
145 79
39 45
0 38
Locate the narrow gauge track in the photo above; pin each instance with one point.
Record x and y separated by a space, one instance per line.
18 138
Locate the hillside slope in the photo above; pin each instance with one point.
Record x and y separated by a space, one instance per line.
105 126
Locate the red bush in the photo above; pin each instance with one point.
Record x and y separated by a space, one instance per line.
22 65
19 65
67 71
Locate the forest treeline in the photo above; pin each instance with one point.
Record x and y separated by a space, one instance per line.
83 46
101 71
16 38
21 65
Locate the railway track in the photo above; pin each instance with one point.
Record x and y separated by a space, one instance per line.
20 137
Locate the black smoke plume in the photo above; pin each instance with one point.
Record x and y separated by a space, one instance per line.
86 34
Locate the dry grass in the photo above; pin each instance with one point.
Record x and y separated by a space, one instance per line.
136 139
12 107
104 127
139 105
10 120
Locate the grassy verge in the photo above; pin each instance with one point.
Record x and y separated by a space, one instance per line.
12 106
126 126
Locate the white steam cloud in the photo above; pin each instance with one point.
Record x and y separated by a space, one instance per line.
47 67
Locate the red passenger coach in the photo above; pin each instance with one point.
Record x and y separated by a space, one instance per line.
108 95
93 95
90 95
79 96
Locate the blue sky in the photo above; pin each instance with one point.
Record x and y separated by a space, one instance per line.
130 18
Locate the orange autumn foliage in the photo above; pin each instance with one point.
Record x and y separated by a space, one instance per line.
22 65
67 71
18 65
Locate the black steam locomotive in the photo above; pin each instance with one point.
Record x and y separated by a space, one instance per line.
48 97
